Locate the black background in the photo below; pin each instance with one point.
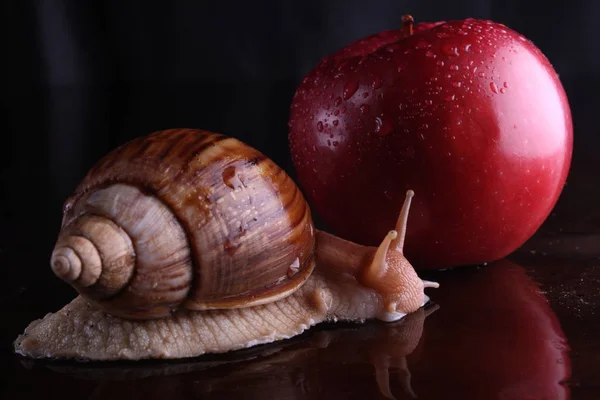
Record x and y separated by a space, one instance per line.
82 77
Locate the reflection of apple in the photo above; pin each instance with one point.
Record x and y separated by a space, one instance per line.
469 114
494 337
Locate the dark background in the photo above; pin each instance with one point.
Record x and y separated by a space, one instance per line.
81 77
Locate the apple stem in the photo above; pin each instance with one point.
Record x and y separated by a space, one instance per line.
407 24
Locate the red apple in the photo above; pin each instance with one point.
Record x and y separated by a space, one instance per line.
469 114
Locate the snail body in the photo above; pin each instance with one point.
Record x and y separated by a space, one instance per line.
181 233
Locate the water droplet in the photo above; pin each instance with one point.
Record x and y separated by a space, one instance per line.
365 95
429 102
423 44
481 74
424 127
440 63
338 101
450 98
336 112
393 47
336 122
467 47
457 84
430 54
454 67
442 35
335 144
350 88
493 87
230 179
320 126
364 109
502 90
293 268
450 50
344 109
383 127
376 82
399 69
515 126
506 85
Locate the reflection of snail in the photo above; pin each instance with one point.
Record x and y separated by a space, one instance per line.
186 242
287 369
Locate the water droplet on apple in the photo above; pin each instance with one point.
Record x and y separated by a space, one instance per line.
376 82
338 101
493 87
450 49
467 47
506 85
350 88
442 35
336 122
364 109
423 44
320 126
502 90
481 74
429 102
457 84
383 127
336 112
440 63
450 98
430 54
365 95
454 67
344 109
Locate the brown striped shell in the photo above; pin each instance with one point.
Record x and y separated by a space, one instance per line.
184 218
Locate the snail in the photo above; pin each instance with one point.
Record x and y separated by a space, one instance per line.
185 242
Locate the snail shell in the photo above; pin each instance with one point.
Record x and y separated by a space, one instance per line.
184 218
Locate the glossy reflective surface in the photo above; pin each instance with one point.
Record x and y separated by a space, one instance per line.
521 329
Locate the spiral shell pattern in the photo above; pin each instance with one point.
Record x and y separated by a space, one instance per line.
187 218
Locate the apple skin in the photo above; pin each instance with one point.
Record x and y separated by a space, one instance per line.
468 114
